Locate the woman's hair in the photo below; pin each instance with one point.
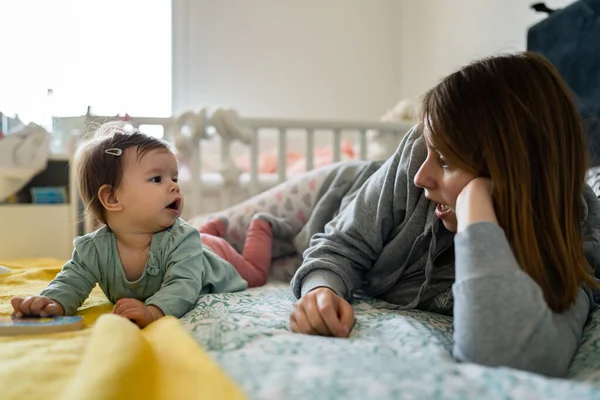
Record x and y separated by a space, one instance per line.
511 118
97 167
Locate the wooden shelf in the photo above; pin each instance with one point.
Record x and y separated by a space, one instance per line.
36 230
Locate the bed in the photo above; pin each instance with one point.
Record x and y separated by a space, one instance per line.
241 344
243 348
390 354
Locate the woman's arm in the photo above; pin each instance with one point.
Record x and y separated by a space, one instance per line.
500 315
339 258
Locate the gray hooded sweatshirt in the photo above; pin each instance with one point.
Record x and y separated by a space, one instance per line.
387 243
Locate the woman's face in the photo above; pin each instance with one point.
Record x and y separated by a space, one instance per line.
442 183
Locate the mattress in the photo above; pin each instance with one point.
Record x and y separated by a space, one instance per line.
390 355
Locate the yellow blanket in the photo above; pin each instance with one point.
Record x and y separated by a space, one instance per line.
109 359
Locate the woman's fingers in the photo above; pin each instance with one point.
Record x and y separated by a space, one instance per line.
328 304
300 320
315 319
346 315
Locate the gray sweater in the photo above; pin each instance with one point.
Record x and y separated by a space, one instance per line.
388 244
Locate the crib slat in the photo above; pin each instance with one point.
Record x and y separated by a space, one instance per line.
225 168
337 144
196 175
282 155
310 148
254 146
363 144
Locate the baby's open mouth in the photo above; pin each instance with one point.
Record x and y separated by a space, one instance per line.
174 205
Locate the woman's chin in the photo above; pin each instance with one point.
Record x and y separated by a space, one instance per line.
450 222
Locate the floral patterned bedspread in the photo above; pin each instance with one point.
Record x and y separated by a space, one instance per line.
390 354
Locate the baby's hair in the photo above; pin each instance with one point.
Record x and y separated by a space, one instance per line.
99 161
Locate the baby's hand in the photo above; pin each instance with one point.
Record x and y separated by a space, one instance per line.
36 306
137 312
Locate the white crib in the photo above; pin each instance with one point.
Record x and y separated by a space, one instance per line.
198 136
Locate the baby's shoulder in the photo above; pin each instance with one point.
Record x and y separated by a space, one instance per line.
101 238
179 228
177 234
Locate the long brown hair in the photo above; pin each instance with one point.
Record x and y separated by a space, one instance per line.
512 118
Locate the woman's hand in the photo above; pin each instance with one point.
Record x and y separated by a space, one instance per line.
137 312
322 312
475 204
36 306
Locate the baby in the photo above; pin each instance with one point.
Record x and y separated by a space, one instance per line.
146 259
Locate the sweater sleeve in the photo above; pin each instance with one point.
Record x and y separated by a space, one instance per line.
185 271
72 286
500 315
340 257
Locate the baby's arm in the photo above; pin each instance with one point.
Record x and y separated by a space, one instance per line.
184 275
67 292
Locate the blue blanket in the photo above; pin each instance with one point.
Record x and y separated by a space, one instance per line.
390 354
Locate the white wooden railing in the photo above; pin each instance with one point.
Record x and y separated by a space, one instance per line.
190 131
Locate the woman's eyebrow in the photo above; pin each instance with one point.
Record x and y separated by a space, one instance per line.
428 143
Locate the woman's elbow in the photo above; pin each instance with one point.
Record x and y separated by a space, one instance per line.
547 363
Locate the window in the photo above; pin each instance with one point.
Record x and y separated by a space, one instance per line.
114 56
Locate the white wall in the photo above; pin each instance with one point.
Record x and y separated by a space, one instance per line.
439 36
332 58
295 58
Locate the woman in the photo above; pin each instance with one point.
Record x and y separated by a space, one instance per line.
481 211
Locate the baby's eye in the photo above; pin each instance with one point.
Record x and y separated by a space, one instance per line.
175 180
156 179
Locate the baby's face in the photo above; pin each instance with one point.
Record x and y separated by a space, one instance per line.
149 192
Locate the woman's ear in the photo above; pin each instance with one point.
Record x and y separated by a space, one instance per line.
108 198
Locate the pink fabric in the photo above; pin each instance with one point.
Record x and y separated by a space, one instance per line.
296 163
253 264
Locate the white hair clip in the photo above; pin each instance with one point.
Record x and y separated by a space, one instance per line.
114 152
